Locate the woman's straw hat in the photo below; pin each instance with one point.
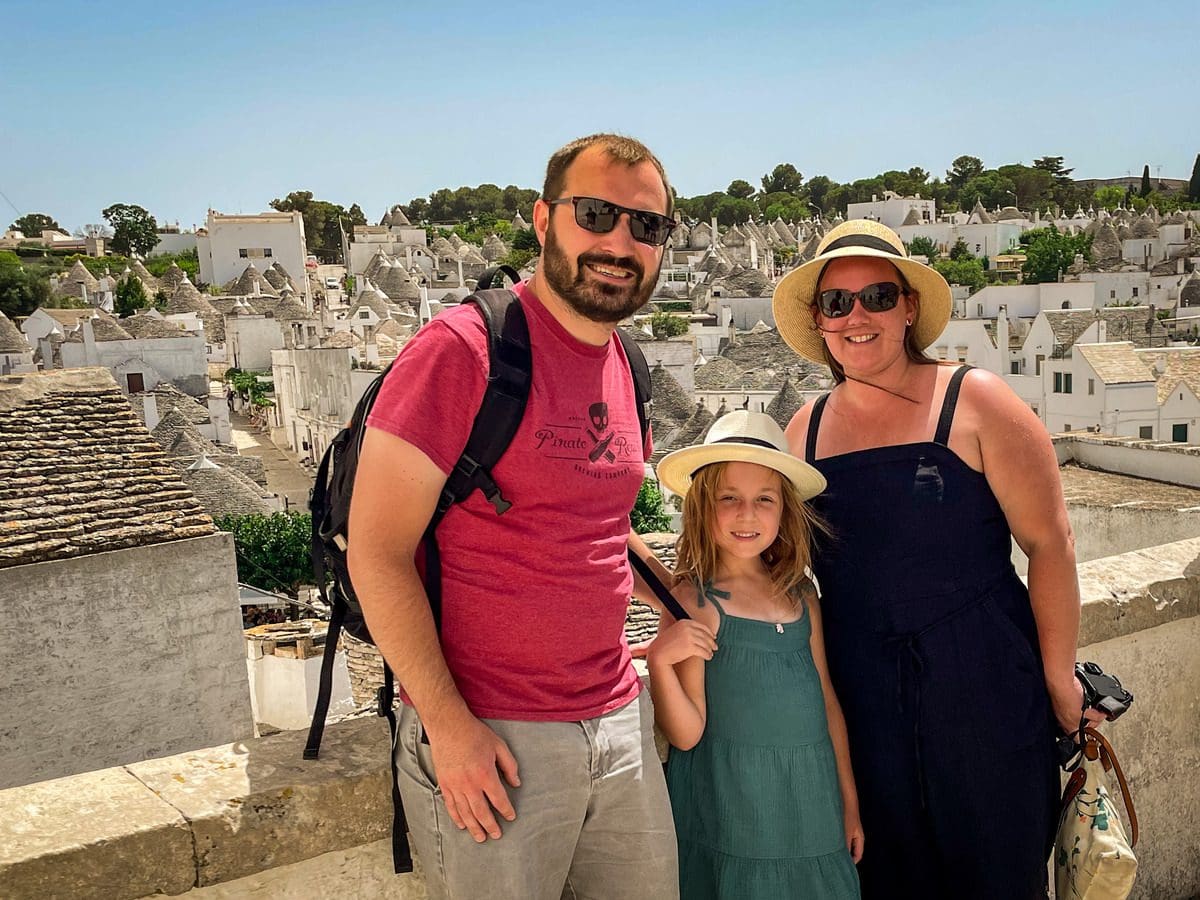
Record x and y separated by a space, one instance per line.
796 292
741 436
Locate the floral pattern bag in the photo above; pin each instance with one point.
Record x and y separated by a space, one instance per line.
1093 858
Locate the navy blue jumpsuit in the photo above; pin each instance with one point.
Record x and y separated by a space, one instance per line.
934 655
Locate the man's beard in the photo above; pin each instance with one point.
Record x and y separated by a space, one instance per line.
594 300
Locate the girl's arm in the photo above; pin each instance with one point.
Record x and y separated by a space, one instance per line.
676 662
837 728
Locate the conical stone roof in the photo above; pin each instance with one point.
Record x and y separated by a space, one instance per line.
171 278
494 248
397 285
1106 246
784 404
11 339
187 299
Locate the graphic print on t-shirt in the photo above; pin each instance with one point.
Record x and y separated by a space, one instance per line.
598 447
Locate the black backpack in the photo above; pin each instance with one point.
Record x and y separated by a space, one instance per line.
496 423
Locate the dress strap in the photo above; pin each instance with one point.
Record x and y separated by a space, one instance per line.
948 404
711 594
814 423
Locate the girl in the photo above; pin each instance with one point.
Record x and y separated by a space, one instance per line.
759 770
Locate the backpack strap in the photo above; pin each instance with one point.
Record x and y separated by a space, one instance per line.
510 372
642 390
488 277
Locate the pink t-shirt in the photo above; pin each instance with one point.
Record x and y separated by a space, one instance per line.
533 602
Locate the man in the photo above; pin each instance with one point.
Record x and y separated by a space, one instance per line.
539 778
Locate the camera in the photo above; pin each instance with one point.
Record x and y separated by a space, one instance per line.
1102 692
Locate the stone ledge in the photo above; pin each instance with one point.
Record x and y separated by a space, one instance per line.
1139 590
167 825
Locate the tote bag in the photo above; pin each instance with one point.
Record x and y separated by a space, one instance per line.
1093 858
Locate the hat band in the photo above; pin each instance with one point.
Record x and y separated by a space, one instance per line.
748 440
863 240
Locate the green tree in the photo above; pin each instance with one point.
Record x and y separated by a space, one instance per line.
989 188
962 170
1050 252
1109 197
733 210
188 260
923 246
963 271
1145 191
273 552
134 229
664 325
1053 165
1194 184
130 296
818 189
526 239
33 224
741 189
960 251
649 511
784 177
21 290
323 222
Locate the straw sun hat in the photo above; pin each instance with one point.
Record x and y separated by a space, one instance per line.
741 436
796 292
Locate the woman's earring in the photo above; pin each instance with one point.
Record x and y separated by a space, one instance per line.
908 323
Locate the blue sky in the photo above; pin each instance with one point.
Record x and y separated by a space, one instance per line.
182 107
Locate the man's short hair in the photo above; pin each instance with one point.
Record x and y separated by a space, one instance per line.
617 147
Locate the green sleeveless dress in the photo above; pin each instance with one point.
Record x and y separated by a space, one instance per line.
758 810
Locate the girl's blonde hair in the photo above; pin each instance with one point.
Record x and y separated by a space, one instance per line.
787 559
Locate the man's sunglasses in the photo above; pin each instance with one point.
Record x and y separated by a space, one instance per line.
601 217
875 298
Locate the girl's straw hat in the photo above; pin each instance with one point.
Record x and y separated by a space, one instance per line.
795 293
741 436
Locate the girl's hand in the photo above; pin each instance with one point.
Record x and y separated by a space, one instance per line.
854 834
681 641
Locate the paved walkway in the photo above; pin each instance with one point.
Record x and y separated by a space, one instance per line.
285 476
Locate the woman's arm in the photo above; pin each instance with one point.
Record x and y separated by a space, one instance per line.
837 729
1022 471
676 661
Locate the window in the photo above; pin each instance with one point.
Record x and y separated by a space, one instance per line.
267 252
1135 290
977 248
1014 368
1146 432
1179 433
243 253
364 314
1066 427
1091 386
1062 382
1112 295
135 382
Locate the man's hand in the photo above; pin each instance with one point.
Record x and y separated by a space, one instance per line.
681 641
467 759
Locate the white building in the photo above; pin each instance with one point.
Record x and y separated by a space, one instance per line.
229 243
138 364
893 210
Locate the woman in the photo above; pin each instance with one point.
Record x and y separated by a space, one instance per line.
952 675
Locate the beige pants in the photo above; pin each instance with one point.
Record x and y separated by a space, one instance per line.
593 819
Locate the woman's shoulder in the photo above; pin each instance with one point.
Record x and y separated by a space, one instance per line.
797 429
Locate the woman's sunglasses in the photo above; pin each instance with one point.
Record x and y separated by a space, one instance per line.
601 217
876 298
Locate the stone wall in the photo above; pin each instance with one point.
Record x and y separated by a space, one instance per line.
120 656
251 819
